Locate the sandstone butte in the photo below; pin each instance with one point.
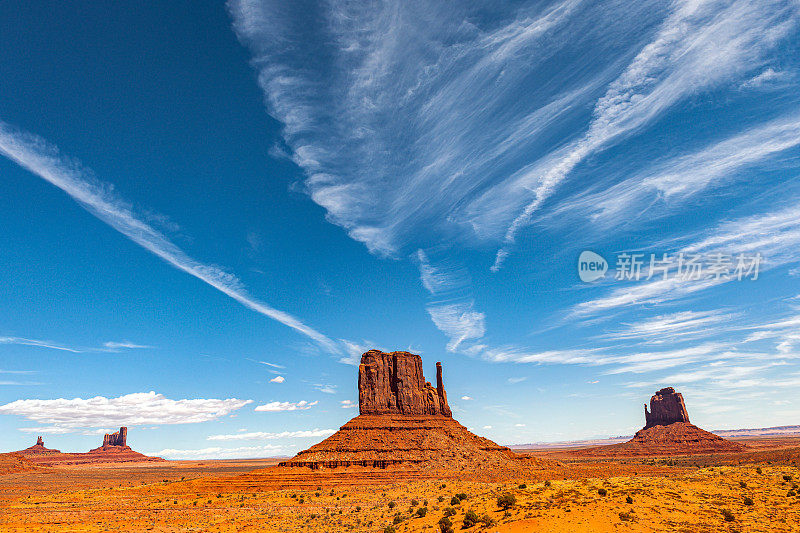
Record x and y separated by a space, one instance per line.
667 431
405 422
113 450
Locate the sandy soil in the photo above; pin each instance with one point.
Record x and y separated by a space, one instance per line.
758 488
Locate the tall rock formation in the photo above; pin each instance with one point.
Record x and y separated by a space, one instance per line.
393 383
667 431
119 438
405 422
666 407
37 449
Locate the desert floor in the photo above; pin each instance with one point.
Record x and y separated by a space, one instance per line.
758 490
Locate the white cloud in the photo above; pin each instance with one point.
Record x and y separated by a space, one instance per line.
487 427
244 452
769 77
661 188
466 398
519 425
277 379
354 351
38 343
673 326
261 435
517 380
116 346
144 408
42 159
327 388
699 46
110 346
273 365
775 235
459 321
286 406
348 404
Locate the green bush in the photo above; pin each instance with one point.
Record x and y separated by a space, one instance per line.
388 529
748 500
602 492
629 500
397 519
758 470
727 515
470 519
787 477
445 525
743 484
449 511
461 496
523 486
414 503
547 483
506 501
391 505
455 501
422 511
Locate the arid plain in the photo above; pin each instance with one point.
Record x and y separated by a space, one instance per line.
405 464
758 488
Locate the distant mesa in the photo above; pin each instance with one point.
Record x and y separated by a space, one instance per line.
666 407
667 431
114 442
114 450
37 449
405 422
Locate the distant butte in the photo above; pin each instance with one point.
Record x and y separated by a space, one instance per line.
667 431
114 450
37 449
405 422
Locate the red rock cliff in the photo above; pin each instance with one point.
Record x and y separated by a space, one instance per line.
116 439
393 383
666 407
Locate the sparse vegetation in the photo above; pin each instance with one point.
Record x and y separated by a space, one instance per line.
506 501
748 501
628 499
727 515
422 511
602 492
445 525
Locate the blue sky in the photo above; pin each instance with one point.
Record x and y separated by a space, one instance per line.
209 212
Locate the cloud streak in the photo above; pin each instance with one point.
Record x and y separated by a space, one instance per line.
43 160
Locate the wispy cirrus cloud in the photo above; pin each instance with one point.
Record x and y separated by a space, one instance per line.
452 308
109 346
274 407
415 108
38 343
774 234
144 408
663 188
263 435
44 160
217 452
699 46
